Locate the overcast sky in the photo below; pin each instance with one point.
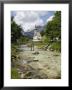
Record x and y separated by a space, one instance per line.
28 19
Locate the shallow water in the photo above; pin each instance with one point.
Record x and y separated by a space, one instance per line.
46 64
24 48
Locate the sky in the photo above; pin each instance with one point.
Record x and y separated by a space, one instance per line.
29 19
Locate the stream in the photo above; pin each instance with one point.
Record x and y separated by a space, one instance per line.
39 64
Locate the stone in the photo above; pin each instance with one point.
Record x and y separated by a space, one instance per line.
22 75
36 53
52 49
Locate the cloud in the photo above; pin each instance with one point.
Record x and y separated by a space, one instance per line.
28 19
42 13
50 18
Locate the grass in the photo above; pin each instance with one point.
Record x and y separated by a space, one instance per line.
40 45
14 73
14 52
14 58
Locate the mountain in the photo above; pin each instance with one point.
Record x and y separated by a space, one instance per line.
30 33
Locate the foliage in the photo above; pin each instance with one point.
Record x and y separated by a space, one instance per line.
23 40
14 54
56 46
14 58
15 31
53 32
46 39
53 28
14 73
42 33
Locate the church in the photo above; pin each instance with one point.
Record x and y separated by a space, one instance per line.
37 36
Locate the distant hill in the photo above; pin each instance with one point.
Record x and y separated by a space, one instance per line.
30 33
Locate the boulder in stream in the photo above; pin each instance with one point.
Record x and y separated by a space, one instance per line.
36 53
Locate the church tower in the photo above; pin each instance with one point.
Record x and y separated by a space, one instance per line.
37 36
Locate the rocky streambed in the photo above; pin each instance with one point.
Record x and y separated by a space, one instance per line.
39 64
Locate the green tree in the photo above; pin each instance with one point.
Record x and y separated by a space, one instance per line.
15 31
42 33
53 28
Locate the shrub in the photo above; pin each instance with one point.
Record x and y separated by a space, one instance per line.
56 46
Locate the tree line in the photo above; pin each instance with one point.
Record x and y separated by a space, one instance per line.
52 32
